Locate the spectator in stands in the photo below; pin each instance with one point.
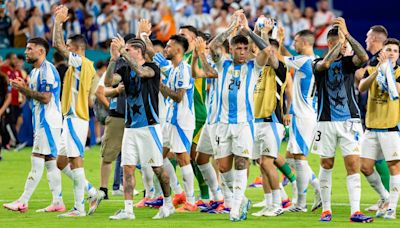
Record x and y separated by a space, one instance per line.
179 16
283 17
322 22
72 26
10 69
107 23
78 10
222 22
35 23
309 16
89 30
298 22
201 21
5 25
5 100
215 11
93 8
166 28
42 5
61 66
48 27
20 28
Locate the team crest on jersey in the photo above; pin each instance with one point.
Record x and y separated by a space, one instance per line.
236 73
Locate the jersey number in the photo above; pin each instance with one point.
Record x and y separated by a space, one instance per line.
234 83
318 136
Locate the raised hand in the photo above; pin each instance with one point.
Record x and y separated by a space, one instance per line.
341 23
144 27
382 58
119 42
281 33
200 45
61 14
18 83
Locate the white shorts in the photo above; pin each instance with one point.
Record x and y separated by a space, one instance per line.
207 142
73 137
301 135
177 139
329 134
46 141
381 145
142 146
267 139
236 139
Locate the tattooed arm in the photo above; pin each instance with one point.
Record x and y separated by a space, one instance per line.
19 84
141 71
199 52
329 58
58 37
167 92
144 32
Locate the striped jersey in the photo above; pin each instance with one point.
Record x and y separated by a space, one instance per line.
181 114
46 79
236 84
303 99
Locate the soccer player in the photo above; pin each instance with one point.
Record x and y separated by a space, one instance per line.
200 111
376 36
178 130
303 120
75 108
234 135
269 129
339 117
206 146
382 136
141 143
44 95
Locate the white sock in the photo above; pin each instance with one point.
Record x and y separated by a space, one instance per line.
188 182
226 187
313 180
54 178
157 187
167 201
67 171
147 177
354 190
239 187
376 183
268 199
128 206
79 188
173 180
210 177
34 176
325 180
89 189
295 192
394 192
276 198
291 163
303 178
284 196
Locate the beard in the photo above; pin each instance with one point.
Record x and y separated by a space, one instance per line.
31 60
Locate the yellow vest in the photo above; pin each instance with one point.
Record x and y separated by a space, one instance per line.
85 81
265 100
382 113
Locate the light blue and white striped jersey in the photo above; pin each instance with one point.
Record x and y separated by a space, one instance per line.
46 79
181 114
303 97
236 88
107 30
212 97
43 5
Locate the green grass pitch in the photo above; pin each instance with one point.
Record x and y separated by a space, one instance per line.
16 165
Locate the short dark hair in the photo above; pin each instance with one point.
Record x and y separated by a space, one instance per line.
380 29
205 36
307 35
181 40
9 55
129 36
158 42
41 42
190 28
21 57
100 64
239 39
334 32
57 57
392 41
79 40
274 42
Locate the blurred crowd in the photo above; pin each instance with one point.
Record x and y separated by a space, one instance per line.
100 20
